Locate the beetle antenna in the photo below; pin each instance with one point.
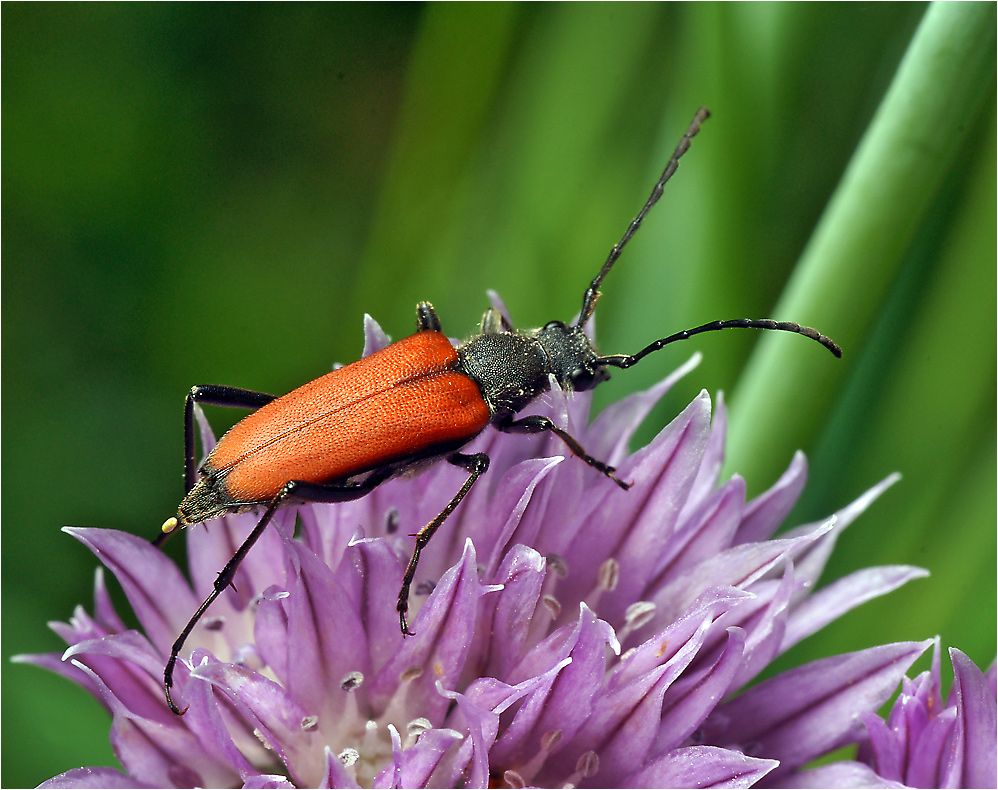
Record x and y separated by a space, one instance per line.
626 360
592 292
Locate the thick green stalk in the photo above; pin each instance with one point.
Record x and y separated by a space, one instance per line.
848 267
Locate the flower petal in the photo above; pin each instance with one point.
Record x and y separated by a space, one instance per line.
336 775
276 714
84 778
564 706
443 634
701 766
690 699
764 514
832 601
976 723
844 774
154 586
633 527
812 709
507 615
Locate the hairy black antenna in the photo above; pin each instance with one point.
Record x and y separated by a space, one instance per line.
592 292
626 360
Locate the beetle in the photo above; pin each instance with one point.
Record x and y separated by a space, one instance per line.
418 400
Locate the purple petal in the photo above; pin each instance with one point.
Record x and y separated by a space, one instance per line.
104 612
614 426
276 714
375 338
933 759
154 586
514 493
713 458
835 599
703 532
625 719
563 706
691 698
767 511
391 775
54 662
470 765
319 613
764 632
371 574
161 754
267 782
420 760
130 667
212 544
812 561
812 709
110 778
443 631
687 630
634 527
701 766
887 747
336 775
737 567
843 774
976 727
507 615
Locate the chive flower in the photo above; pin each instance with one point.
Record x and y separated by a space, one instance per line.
567 633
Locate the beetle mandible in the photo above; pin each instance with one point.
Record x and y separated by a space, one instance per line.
337 438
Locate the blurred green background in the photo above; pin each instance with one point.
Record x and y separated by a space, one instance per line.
217 193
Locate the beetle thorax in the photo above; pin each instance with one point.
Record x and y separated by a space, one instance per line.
511 369
514 368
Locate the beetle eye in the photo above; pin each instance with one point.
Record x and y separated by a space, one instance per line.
586 378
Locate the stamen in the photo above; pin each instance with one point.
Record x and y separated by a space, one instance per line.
639 613
557 565
169 525
588 764
514 780
552 604
351 681
417 726
550 739
260 737
391 521
410 673
213 623
309 722
609 575
348 757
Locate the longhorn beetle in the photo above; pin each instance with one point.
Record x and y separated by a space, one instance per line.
342 435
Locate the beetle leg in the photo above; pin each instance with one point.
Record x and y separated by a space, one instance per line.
295 490
216 395
536 423
476 465
426 318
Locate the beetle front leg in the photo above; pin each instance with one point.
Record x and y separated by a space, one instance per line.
476 465
293 490
535 423
216 395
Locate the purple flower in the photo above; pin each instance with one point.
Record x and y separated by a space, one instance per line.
924 743
567 632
